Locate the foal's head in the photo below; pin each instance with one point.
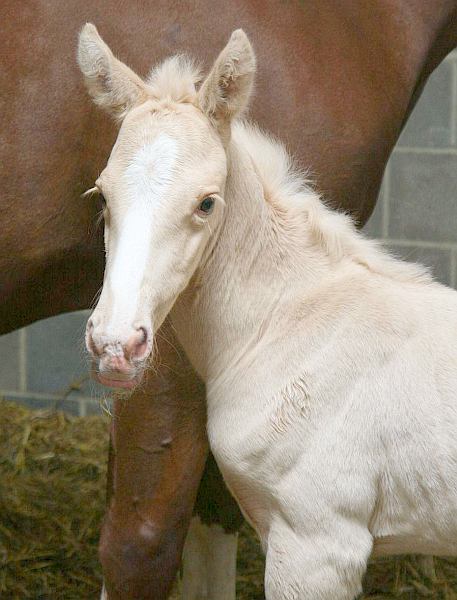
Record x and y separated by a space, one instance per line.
163 189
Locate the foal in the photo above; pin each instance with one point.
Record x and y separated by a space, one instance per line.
330 367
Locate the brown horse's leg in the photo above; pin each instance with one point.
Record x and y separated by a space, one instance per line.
159 451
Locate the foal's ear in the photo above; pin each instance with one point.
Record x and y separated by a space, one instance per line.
112 85
226 91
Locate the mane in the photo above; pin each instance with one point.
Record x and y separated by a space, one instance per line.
175 79
289 192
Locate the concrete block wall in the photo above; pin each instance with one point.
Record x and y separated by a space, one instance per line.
416 216
45 366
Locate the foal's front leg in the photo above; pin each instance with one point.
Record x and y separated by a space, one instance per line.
322 564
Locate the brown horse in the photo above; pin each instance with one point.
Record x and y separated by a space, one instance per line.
348 74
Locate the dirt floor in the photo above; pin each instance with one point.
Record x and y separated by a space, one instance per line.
52 490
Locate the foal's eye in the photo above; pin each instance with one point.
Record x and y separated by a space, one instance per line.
206 206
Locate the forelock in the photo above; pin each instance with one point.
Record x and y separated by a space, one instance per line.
175 79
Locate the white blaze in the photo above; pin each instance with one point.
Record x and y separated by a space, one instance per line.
147 180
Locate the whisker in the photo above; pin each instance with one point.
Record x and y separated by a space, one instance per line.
96 297
166 340
90 192
105 405
99 218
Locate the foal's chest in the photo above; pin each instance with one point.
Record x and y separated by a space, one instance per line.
254 448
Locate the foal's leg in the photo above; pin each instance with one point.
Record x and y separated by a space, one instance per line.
319 564
160 447
209 563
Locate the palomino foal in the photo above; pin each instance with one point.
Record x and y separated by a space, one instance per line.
330 367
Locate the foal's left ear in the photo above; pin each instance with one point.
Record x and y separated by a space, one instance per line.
226 91
110 82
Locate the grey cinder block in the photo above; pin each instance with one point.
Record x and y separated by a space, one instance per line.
9 361
430 122
373 228
55 353
423 197
437 259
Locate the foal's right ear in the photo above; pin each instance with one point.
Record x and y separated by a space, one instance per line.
112 85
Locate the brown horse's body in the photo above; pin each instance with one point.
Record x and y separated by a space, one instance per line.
347 73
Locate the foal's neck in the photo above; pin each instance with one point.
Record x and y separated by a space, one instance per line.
260 260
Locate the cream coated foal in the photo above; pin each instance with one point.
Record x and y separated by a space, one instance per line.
330 367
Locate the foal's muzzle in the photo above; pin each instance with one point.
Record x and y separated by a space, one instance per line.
118 363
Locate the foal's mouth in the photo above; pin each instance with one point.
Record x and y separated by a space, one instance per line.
117 380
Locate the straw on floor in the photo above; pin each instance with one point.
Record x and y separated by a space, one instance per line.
52 494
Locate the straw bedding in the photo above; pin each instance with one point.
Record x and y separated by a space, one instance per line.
52 489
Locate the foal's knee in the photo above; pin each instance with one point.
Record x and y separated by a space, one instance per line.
139 560
317 566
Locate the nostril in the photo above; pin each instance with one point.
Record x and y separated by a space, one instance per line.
91 346
143 334
90 325
139 343
143 342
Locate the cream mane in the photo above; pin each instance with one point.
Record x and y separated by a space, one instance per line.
175 79
288 191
